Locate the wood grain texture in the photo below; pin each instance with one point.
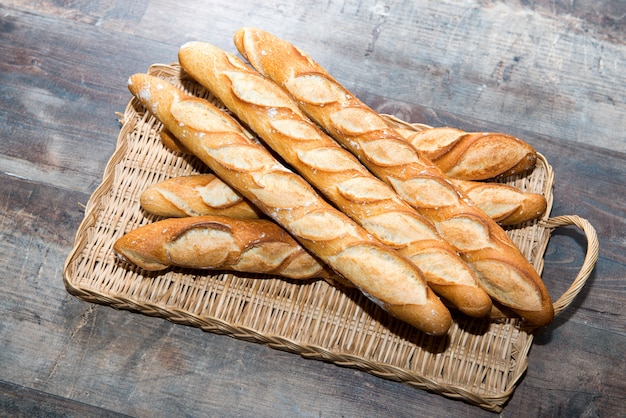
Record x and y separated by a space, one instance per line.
19 401
550 72
53 104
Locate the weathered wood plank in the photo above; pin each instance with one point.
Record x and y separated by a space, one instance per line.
62 78
605 16
550 67
501 62
60 98
18 401
117 15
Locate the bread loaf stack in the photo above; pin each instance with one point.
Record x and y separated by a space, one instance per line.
388 278
361 207
501 268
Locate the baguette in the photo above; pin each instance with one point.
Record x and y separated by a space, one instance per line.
472 155
266 109
502 269
388 279
196 195
219 243
507 205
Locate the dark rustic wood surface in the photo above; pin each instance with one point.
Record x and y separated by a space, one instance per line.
550 71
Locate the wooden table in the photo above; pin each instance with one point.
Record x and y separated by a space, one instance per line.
552 73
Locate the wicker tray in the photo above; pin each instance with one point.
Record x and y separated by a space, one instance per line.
478 362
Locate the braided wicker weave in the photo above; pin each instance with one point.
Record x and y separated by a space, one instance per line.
478 362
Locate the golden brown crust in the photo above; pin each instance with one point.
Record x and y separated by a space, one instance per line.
219 243
498 263
196 195
473 155
505 204
267 110
221 143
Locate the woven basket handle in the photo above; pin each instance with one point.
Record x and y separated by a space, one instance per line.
590 258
